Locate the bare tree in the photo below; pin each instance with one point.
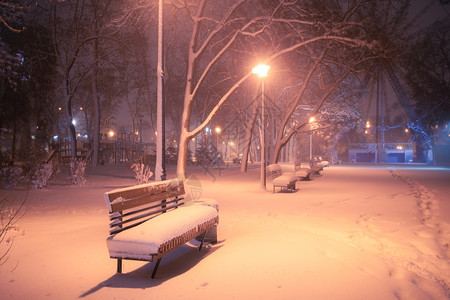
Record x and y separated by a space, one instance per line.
214 36
84 43
10 214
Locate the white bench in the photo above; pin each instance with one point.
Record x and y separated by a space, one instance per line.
150 220
280 179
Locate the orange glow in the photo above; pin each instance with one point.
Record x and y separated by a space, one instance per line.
261 70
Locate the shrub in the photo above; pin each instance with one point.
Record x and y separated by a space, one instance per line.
11 177
41 175
142 173
77 170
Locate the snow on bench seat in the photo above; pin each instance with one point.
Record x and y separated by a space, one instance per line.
147 240
282 180
324 163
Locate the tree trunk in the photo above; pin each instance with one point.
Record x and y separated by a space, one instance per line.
95 154
248 138
182 155
69 120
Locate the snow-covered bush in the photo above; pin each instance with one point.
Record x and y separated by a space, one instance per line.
77 170
142 173
11 176
41 175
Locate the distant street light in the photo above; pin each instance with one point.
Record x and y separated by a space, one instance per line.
217 130
261 70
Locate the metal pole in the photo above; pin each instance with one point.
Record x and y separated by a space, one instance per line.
160 149
310 147
263 143
140 138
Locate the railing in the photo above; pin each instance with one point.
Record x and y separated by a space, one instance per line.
373 146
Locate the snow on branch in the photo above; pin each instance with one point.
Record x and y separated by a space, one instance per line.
9 215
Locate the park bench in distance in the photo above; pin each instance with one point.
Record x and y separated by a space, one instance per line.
150 220
317 166
280 179
296 168
302 173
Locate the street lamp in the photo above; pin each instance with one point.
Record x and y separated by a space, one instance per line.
261 70
217 130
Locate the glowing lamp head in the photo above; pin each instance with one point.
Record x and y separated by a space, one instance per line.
312 119
218 130
261 70
111 133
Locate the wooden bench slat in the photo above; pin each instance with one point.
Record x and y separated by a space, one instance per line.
129 199
116 223
119 215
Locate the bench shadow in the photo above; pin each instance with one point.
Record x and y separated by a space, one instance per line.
288 191
173 264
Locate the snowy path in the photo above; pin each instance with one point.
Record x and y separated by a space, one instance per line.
351 233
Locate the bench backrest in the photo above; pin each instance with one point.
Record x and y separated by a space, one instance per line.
131 206
274 170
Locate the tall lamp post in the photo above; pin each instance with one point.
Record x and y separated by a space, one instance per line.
261 70
160 173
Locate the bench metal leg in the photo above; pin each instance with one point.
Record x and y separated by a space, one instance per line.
119 265
156 268
203 240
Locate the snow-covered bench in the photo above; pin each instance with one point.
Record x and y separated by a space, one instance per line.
325 163
150 220
282 180
301 173
317 167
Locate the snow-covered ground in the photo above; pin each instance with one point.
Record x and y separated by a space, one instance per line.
354 232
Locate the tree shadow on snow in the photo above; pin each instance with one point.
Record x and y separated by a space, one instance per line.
173 264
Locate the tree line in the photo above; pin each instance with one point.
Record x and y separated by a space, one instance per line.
60 56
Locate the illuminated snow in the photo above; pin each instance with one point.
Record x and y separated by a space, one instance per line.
353 232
